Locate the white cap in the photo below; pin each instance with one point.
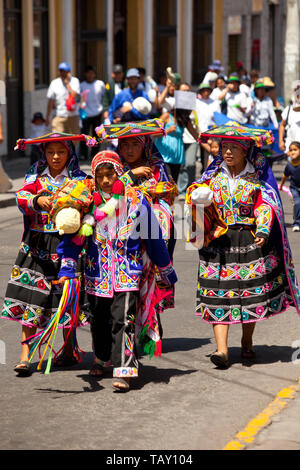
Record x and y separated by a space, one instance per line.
142 105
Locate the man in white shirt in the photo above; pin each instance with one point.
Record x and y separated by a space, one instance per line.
92 91
237 104
262 110
290 117
187 174
63 96
205 109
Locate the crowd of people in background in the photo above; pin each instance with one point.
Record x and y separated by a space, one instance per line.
132 95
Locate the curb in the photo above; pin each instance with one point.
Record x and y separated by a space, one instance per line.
246 437
11 201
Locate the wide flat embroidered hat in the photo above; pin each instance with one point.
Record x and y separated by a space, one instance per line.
233 130
56 137
130 129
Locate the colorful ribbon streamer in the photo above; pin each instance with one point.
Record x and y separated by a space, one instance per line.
69 303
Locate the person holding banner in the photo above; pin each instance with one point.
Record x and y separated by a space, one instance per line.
175 121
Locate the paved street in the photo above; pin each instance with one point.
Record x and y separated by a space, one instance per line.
180 401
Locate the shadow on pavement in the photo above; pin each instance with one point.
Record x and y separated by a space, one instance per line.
264 355
183 344
151 374
94 387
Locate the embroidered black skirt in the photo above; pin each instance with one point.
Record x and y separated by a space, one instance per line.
30 298
238 281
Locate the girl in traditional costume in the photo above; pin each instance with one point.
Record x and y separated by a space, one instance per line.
246 272
145 169
31 298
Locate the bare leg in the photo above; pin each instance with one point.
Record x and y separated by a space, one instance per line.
221 336
248 330
26 333
23 367
68 349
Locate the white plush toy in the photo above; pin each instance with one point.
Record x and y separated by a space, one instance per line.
202 195
68 220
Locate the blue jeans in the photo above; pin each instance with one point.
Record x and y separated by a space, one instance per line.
188 171
296 198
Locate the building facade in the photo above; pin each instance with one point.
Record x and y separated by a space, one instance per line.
36 35
254 33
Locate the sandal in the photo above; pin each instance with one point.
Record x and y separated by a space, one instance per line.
65 361
97 370
23 368
124 387
220 360
248 353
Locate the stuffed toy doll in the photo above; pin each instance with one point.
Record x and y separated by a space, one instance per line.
69 205
97 213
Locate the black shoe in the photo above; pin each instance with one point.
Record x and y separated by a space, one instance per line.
23 369
220 360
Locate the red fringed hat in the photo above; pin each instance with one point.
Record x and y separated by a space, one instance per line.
107 156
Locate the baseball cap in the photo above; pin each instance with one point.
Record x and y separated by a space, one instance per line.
64 66
259 84
204 86
117 68
233 78
133 73
216 65
36 116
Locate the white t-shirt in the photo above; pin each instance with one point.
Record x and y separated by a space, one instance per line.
118 88
245 89
294 132
205 113
58 92
233 100
290 118
187 136
215 93
263 113
94 97
38 131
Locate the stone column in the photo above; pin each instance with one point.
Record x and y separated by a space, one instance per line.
187 41
67 32
291 50
148 36
110 35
